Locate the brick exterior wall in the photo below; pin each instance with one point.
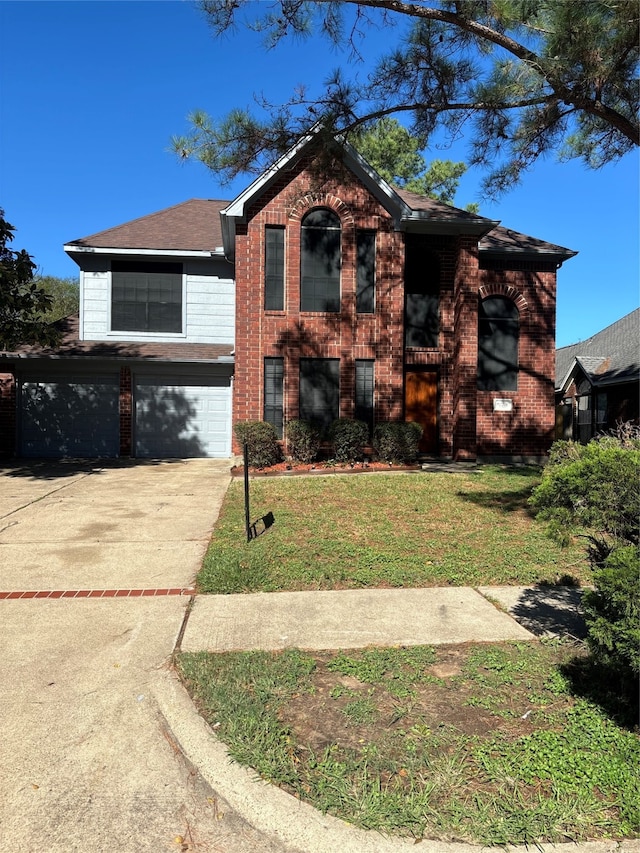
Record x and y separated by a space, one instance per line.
468 427
527 431
126 411
7 413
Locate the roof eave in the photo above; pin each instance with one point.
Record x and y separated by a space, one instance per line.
73 249
559 257
423 222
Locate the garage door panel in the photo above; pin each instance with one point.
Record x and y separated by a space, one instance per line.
69 416
182 416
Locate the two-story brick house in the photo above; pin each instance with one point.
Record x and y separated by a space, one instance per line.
357 300
352 299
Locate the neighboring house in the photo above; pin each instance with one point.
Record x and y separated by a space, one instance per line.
352 299
598 381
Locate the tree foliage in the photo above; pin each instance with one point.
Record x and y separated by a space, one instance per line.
525 77
24 305
394 154
64 293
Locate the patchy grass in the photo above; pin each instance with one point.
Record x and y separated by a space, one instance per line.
482 743
395 530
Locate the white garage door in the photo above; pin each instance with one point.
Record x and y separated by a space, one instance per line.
182 416
69 415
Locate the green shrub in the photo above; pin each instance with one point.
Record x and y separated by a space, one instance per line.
303 441
349 438
262 442
397 441
593 490
612 611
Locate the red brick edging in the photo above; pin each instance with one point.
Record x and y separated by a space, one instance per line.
97 593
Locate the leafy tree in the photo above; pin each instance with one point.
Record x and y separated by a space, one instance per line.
530 77
23 304
394 154
64 294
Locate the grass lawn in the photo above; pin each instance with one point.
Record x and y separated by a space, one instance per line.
500 743
494 744
396 530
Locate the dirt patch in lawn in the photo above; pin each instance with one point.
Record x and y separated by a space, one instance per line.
340 709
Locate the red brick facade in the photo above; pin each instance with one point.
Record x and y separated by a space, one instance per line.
468 426
7 411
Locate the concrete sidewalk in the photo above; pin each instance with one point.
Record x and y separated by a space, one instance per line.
346 619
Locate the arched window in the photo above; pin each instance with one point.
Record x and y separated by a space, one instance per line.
320 261
498 334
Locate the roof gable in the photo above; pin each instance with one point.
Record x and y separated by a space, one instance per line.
611 355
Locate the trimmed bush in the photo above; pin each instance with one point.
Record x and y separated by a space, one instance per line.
593 490
261 439
612 612
397 441
303 441
349 438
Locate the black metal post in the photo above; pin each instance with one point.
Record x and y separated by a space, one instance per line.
247 517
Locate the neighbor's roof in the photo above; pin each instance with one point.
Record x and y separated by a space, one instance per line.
71 347
611 355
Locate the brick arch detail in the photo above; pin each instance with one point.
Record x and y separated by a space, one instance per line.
486 290
310 200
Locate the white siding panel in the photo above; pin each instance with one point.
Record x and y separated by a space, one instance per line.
210 310
95 302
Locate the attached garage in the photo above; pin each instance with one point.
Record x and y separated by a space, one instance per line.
68 414
180 415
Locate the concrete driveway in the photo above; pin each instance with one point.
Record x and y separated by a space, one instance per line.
86 760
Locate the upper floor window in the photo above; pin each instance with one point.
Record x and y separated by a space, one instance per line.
274 269
320 261
366 272
422 297
498 334
146 297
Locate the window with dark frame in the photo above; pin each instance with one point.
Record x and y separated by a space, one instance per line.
366 272
422 297
320 261
273 393
320 392
498 336
274 268
146 297
365 385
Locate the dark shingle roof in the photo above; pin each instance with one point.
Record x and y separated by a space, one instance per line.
499 239
437 209
195 226
191 226
611 355
71 347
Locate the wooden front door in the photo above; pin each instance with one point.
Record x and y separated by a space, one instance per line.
421 405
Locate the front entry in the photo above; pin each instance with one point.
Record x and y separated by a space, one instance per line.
421 405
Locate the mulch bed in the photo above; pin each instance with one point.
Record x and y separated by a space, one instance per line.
293 468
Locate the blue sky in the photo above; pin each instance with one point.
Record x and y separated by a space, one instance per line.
91 93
